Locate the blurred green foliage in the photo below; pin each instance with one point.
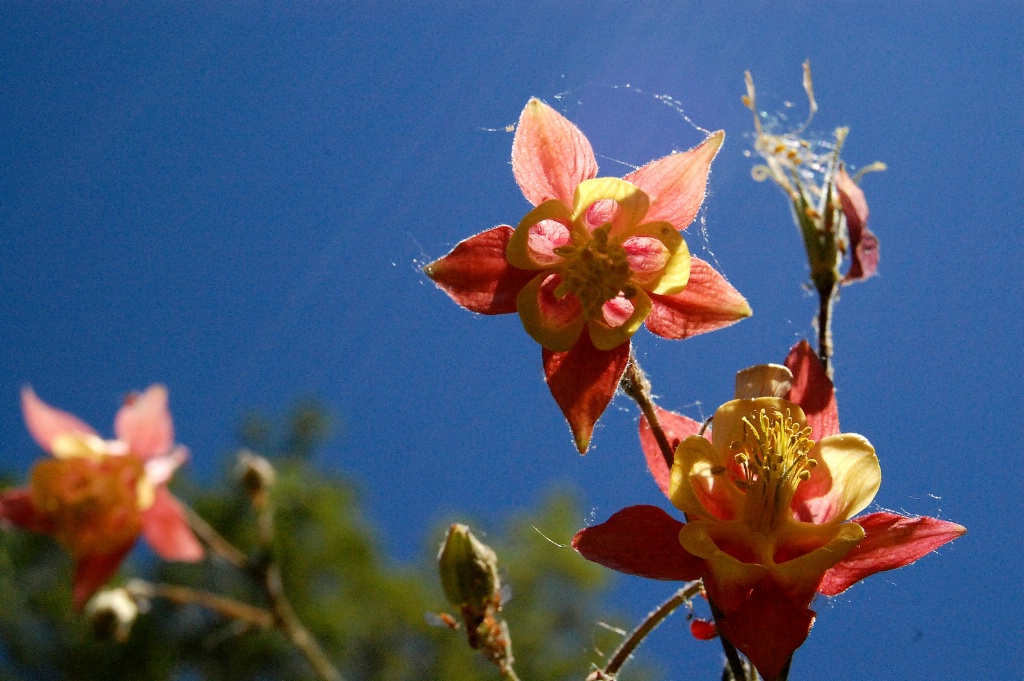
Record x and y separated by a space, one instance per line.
368 612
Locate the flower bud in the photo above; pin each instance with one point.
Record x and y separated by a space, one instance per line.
256 475
112 614
763 380
469 570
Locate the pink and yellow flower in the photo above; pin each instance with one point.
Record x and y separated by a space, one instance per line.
770 501
96 496
593 261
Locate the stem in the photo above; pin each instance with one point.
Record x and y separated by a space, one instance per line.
826 299
215 541
286 619
733 662
222 605
268 575
635 384
290 624
649 624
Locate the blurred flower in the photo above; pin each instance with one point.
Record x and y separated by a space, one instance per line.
593 261
769 502
96 496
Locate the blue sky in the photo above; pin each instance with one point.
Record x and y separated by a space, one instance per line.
235 200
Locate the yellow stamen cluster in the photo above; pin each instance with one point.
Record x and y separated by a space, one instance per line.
773 459
595 271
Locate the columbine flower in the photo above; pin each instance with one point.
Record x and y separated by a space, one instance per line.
769 502
593 261
96 496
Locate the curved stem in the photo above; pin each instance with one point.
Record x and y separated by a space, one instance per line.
222 605
649 624
734 664
221 546
268 575
635 384
286 619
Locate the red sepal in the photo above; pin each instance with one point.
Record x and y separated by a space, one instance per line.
863 242
813 391
677 428
583 381
17 508
768 627
707 303
891 541
639 540
92 572
477 276
167 531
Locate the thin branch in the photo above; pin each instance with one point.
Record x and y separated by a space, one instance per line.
826 299
733 662
286 619
635 384
649 624
290 624
222 605
215 540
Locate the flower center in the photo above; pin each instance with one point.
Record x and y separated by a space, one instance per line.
773 460
594 270
94 504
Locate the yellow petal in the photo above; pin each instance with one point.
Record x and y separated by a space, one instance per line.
632 202
606 337
728 426
855 472
803 574
676 271
695 489
518 249
733 577
556 333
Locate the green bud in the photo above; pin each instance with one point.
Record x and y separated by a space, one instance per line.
469 570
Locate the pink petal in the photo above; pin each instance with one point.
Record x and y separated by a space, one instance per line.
550 156
647 257
583 381
676 184
16 507
813 391
677 428
863 243
477 276
639 540
167 531
45 422
892 541
707 303
144 422
545 237
92 572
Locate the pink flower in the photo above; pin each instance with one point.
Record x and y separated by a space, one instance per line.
593 261
770 502
96 496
